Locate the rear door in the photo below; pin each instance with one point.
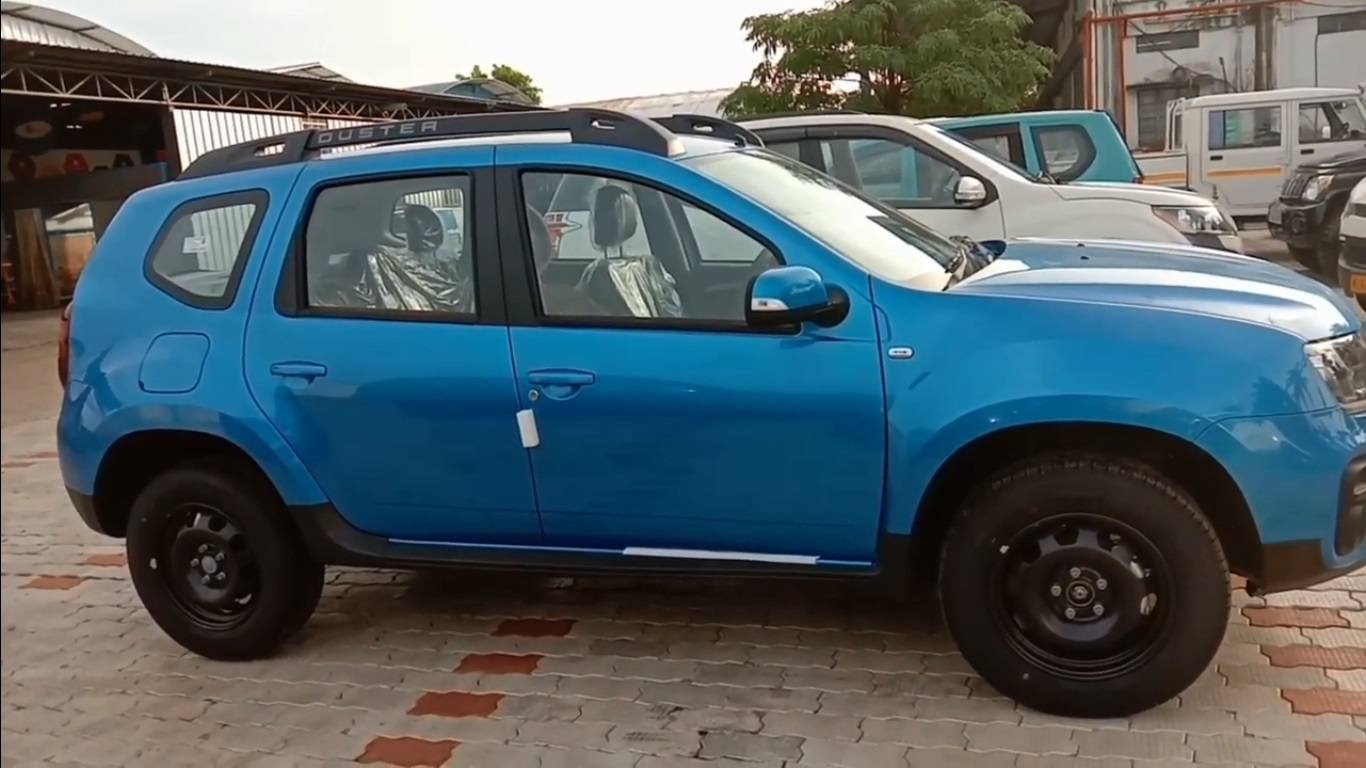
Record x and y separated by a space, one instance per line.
1247 155
1002 140
377 346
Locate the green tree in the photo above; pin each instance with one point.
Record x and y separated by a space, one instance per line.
513 77
910 57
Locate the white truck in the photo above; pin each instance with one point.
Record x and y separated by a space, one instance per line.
1238 148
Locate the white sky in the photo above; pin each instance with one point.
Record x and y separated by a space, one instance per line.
576 50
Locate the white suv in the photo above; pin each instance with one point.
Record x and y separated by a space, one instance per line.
956 188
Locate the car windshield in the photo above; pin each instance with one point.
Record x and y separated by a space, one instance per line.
877 238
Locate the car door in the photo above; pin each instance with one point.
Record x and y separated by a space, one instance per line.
1247 156
906 174
665 427
382 355
1327 127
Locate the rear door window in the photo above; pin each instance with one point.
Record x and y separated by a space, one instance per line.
1002 141
199 255
1065 151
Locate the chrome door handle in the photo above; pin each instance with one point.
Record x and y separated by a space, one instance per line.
298 369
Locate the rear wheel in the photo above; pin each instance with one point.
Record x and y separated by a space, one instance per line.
217 564
1084 587
1329 246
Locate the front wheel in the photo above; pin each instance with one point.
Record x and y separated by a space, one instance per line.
1084 587
217 564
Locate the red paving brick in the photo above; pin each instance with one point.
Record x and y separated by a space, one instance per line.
54 582
1319 701
1339 754
408 751
457 704
1315 656
110 559
1312 618
500 663
534 628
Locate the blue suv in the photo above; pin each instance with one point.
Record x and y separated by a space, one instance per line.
582 340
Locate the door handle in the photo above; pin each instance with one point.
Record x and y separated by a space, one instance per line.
561 378
298 369
1216 157
1306 151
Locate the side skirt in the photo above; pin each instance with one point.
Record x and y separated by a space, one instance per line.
332 540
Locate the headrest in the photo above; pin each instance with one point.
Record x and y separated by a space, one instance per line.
615 218
423 228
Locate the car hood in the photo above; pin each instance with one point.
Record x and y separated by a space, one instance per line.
1171 277
1351 160
1140 193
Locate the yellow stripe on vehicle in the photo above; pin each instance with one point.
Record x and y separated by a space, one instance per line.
1244 172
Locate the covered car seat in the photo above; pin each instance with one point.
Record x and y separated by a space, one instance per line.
633 285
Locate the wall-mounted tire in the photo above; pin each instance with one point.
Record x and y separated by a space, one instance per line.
1084 586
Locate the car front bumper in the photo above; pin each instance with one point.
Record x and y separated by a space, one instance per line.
1304 480
1297 224
1352 266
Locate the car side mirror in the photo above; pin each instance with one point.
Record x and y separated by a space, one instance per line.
970 191
791 295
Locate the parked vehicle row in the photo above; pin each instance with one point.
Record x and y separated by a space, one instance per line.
730 364
1240 148
943 180
1311 205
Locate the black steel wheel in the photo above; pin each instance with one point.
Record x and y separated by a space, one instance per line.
1084 586
216 562
1081 595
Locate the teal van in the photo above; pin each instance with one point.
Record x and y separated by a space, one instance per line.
1070 145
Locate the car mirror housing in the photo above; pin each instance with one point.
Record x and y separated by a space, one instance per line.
789 295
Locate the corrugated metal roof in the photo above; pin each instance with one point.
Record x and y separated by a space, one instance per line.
35 24
313 69
664 104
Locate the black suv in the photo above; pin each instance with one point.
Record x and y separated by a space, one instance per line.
1310 207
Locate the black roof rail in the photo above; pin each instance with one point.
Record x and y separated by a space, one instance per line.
799 113
705 125
584 125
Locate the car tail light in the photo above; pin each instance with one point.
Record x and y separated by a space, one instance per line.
64 347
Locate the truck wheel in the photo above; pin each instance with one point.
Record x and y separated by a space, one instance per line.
1082 586
1307 257
216 562
1329 246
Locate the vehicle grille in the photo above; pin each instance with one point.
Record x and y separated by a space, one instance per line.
1354 252
1359 209
1352 513
1294 186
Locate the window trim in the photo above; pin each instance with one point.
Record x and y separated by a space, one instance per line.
818 133
1318 105
291 291
525 308
1080 167
255 196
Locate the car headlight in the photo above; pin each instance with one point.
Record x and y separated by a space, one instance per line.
1196 220
1342 364
1316 187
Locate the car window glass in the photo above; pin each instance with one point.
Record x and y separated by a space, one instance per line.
790 149
399 245
201 248
1066 150
895 173
624 255
1245 128
1331 121
997 145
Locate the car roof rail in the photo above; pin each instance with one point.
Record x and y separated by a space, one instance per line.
799 113
706 125
584 126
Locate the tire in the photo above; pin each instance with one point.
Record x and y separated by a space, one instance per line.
1307 257
217 563
1329 247
1063 533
